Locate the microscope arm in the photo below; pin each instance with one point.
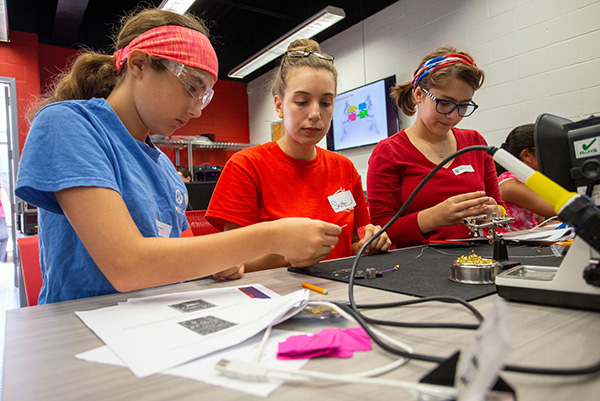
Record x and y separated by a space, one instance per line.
573 209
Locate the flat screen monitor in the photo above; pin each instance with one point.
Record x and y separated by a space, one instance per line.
363 116
199 194
569 152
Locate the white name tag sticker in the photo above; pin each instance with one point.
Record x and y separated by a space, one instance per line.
164 230
342 200
466 168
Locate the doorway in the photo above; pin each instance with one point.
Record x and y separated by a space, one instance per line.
9 159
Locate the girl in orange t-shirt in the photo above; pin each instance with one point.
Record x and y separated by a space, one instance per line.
293 177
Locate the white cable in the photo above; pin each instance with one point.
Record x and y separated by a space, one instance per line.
540 225
413 387
397 343
369 373
263 342
252 372
255 372
383 369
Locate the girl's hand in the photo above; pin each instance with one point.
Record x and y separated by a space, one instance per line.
380 245
492 208
303 241
233 273
453 210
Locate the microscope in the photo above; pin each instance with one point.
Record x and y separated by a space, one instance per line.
576 282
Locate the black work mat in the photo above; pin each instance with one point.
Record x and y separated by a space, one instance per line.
424 271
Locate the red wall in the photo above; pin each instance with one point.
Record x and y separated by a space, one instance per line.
34 65
53 60
226 117
19 60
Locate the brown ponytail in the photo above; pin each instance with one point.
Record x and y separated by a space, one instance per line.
95 74
403 93
279 77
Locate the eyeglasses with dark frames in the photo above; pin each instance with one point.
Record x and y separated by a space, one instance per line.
194 81
443 106
306 53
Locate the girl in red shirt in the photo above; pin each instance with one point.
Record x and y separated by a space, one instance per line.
442 88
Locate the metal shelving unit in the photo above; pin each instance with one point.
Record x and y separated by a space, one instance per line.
192 143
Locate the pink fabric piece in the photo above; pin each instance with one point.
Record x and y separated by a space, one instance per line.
336 343
524 219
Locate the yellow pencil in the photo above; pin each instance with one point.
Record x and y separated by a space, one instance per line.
315 288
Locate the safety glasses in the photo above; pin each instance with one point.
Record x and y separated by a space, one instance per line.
194 81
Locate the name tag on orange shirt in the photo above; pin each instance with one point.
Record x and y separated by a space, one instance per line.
342 200
465 168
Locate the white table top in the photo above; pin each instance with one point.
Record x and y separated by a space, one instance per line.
41 342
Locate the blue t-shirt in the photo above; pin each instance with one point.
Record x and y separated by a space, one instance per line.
84 143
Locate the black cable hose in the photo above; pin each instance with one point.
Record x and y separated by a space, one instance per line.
400 212
422 325
359 318
352 307
439 298
446 299
594 368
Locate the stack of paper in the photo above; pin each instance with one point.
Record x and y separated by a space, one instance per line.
537 236
150 335
203 369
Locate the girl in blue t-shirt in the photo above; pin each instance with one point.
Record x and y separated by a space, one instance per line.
111 205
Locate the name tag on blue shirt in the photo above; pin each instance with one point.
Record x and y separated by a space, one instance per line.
164 230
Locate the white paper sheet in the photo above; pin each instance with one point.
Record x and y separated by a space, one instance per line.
555 235
203 369
157 333
528 236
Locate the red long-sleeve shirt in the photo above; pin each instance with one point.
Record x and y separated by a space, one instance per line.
396 167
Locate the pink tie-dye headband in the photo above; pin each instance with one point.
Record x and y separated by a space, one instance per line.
184 45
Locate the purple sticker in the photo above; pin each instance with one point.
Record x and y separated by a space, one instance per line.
253 292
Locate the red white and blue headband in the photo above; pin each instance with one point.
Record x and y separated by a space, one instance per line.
176 43
438 62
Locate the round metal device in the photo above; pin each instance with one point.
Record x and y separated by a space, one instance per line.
468 273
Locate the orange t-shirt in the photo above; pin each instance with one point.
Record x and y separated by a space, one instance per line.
263 183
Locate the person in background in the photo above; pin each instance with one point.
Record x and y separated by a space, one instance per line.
111 206
293 176
441 92
184 173
522 204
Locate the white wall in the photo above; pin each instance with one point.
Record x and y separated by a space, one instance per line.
539 56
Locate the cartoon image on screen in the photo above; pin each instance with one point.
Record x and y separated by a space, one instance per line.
362 116
355 115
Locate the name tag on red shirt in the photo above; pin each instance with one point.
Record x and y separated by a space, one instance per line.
465 168
342 200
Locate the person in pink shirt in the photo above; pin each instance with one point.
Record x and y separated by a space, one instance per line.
522 204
